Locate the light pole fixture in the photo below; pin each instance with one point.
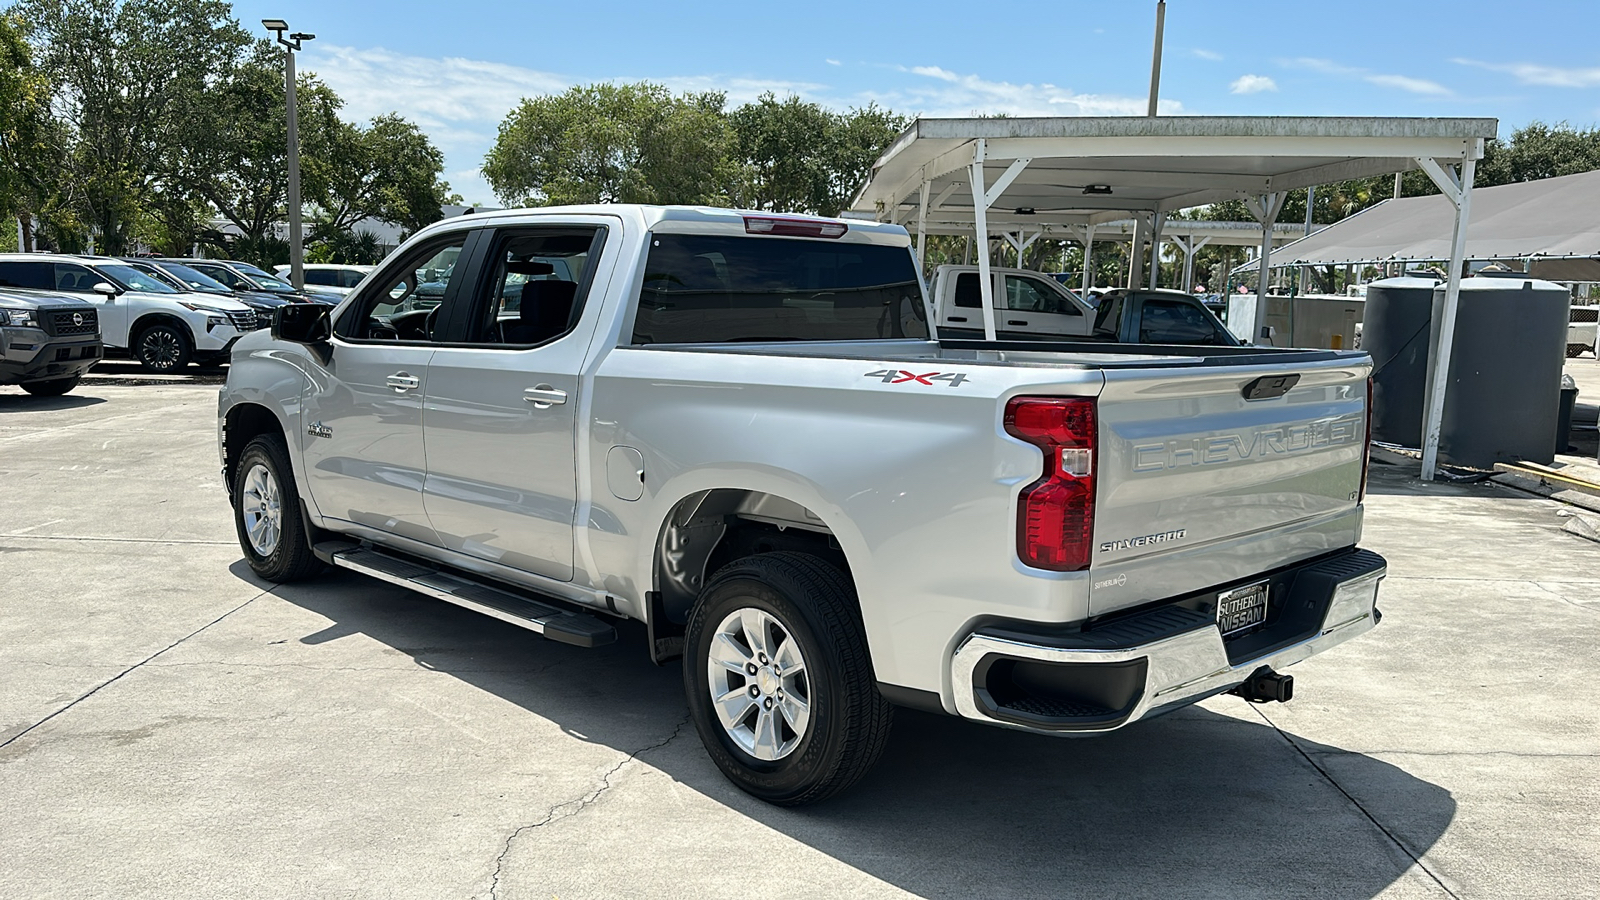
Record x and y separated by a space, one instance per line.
297 276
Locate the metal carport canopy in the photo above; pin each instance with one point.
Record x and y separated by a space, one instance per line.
1081 171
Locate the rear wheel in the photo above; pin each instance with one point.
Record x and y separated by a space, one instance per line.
779 680
266 513
55 387
1576 350
162 347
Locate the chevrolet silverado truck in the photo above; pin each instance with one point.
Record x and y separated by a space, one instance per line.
739 429
46 343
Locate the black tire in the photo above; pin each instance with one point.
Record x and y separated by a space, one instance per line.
849 720
291 558
55 387
1576 350
162 348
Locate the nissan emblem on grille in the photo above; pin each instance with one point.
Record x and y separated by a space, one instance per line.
77 318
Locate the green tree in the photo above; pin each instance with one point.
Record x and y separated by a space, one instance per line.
795 156
388 170
124 74
24 126
607 143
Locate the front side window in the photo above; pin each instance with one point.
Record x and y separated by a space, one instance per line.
1032 295
225 276
133 279
403 305
75 278
703 288
535 287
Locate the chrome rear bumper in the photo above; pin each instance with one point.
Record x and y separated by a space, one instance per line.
1185 659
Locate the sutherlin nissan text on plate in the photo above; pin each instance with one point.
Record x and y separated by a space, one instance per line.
736 428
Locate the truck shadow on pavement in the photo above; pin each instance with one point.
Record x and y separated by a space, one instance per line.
20 402
1194 804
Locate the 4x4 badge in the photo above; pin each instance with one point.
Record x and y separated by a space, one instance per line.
317 429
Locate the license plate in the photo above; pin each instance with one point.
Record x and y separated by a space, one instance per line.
1242 608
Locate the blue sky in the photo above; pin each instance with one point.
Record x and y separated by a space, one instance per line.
458 68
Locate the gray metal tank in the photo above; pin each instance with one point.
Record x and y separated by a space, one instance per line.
1504 393
1395 331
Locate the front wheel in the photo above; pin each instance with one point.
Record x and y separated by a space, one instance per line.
779 680
163 348
266 513
55 387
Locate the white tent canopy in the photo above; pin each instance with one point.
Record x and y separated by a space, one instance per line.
1003 175
1553 217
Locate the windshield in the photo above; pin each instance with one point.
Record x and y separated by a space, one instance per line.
269 282
197 281
705 288
135 280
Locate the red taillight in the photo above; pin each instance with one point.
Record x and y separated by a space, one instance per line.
1366 447
788 226
1055 515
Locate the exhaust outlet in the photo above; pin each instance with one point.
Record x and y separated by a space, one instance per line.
1266 686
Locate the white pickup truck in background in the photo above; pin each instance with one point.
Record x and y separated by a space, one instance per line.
739 429
1030 306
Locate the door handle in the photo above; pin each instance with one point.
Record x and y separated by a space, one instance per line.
1016 321
957 318
401 382
544 396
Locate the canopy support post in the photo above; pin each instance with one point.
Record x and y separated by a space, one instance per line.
982 199
922 226
1141 234
1158 222
1265 208
1088 254
1459 189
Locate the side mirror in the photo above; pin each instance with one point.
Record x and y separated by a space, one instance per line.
302 323
106 288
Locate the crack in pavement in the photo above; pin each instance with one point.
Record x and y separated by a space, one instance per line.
112 540
117 677
1572 603
1394 839
555 813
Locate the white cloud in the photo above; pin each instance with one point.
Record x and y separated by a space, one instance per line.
1414 85
1252 84
1401 82
1545 76
956 94
835 62
1209 55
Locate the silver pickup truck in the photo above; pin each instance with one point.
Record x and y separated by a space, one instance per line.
738 429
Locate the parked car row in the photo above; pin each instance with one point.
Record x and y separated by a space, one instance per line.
164 313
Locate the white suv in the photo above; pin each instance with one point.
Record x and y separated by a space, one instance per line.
331 278
161 327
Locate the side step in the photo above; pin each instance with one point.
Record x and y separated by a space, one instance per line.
557 624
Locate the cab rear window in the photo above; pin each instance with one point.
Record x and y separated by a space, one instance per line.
702 288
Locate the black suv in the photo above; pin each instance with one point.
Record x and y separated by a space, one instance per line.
47 343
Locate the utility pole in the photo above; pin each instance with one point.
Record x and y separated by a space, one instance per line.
1155 58
297 276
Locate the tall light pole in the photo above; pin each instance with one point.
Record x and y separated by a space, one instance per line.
1155 56
297 276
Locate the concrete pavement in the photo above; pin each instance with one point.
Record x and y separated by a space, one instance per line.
170 727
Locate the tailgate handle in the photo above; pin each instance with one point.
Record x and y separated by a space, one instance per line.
1269 387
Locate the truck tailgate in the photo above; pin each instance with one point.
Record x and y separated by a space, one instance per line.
1198 486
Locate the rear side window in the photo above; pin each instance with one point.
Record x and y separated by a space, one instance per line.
702 288
322 276
1176 322
39 275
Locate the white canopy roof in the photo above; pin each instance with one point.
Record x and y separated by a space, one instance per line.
1553 217
1165 163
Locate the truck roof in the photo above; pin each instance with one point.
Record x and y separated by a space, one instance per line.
697 219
